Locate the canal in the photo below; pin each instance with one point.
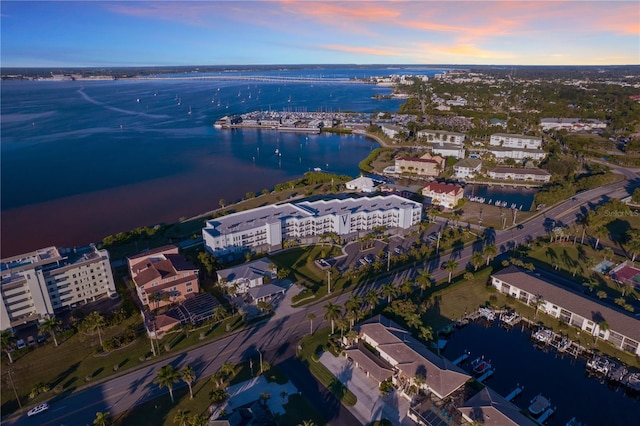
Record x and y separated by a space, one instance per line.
562 379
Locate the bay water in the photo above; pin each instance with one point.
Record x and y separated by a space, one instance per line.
81 160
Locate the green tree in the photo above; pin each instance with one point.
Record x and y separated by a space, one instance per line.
311 316
188 375
331 313
477 260
199 419
181 417
218 395
102 418
95 322
51 325
450 265
489 252
222 202
372 298
166 377
6 340
389 291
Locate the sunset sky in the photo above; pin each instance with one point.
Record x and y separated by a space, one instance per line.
137 33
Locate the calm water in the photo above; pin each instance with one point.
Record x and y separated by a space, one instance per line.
521 198
82 160
562 379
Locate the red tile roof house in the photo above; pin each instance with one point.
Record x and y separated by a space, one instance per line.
402 357
443 194
163 271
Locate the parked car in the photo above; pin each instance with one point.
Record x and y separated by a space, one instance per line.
20 344
38 409
398 250
41 339
31 341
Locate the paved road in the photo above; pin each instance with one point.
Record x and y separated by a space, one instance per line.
277 337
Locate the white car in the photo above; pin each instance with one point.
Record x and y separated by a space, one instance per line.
21 344
38 409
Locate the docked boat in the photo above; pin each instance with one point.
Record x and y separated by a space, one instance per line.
633 381
599 365
564 344
618 373
509 318
538 405
544 335
487 313
480 366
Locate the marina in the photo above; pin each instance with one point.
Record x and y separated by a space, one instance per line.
565 361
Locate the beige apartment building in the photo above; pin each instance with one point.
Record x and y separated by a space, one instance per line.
37 284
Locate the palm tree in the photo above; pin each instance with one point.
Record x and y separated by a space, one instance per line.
354 303
332 313
167 376
188 376
6 339
389 291
102 418
477 260
311 316
603 326
633 236
423 280
227 368
372 298
307 423
181 417
489 252
200 419
426 333
591 284
95 322
607 252
600 232
450 265
51 324
406 288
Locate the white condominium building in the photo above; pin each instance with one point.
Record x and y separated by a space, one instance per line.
515 141
37 284
266 228
442 136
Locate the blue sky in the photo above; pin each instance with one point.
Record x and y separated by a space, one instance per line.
141 33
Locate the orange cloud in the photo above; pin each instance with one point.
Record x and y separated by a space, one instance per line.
467 51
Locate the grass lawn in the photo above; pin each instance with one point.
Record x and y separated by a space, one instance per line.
161 411
74 363
575 262
311 346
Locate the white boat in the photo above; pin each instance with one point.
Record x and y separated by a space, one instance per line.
599 365
543 335
487 313
539 405
317 169
277 151
633 381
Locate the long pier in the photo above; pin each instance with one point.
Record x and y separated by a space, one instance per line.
259 78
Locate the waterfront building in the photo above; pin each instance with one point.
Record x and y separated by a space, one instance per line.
427 165
571 124
267 228
448 150
515 141
442 136
195 309
443 194
391 130
621 330
403 358
489 408
40 283
467 168
162 276
503 153
519 174
362 184
239 279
